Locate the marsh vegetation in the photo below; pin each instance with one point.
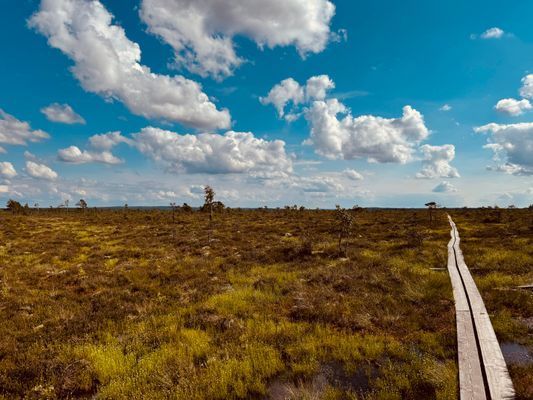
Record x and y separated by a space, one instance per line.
131 304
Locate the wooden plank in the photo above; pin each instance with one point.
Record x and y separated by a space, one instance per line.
471 385
499 381
488 352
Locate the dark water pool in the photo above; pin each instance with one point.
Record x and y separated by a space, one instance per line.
515 353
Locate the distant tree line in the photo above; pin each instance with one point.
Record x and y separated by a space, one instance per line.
16 208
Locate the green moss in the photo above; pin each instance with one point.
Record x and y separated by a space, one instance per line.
108 361
240 302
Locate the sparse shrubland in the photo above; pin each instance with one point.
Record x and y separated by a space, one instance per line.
93 303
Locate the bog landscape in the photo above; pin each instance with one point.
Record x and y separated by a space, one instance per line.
266 199
265 303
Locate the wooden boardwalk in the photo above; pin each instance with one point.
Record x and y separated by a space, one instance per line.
483 372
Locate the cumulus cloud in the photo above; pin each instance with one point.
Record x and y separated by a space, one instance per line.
526 90
75 155
201 32
107 141
352 174
284 92
62 113
290 91
374 138
316 184
233 152
100 152
512 146
30 156
444 187
317 87
40 171
7 170
377 139
106 62
436 162
492 33
513 107
15 132
445 107
319 186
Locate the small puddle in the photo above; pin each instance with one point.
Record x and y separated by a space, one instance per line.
515 353
333 374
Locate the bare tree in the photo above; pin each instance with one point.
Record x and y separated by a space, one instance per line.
174 208
432 206
343 226
66 204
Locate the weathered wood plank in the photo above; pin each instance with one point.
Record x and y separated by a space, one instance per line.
471 385
473 323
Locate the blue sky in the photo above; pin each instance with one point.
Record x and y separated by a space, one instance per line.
318 103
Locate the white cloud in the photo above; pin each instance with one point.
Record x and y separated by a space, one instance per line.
7 170
508 168
512 145
93 191
445 107
108 63
316 184
107 141
436 162
233 152
444 187
40 171
101 146
374 138
323 186
492 33
30 156
4 189
15 132
317 87
284 92
62 113
201 32
74 155
513 107
527 87
290 91
352 174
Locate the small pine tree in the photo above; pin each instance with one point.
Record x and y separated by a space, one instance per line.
82 204
209 198
14 206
